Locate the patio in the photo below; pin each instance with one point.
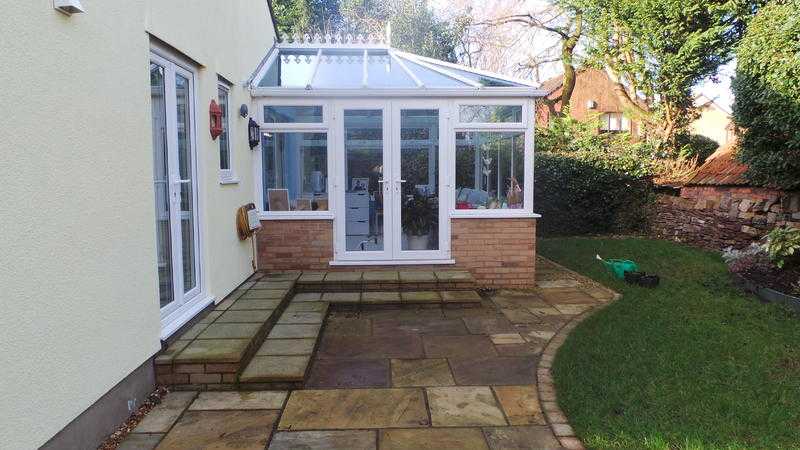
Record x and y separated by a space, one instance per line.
416 377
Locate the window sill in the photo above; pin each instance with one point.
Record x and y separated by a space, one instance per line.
493 214
296 215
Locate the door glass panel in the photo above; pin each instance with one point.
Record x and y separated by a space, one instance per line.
363 198
419 167
185 173
161 184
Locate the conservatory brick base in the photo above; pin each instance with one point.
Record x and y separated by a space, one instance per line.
498 252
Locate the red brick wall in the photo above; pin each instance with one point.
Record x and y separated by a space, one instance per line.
295 244
498 252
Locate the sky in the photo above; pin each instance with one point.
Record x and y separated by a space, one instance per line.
524 43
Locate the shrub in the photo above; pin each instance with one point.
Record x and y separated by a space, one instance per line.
782 244
697 146
767 91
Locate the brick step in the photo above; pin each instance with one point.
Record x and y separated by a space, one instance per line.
283 359
211 353
380 280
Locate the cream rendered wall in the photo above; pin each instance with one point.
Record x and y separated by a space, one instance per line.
229 38
712 123
80 300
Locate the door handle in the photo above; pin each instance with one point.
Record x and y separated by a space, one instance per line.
401 181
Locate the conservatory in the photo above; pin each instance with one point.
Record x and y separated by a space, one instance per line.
384 152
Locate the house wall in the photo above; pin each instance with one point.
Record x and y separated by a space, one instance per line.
713 123
590 84
81 314
498 252
716 217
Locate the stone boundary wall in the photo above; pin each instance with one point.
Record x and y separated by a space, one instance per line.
716 217
498 252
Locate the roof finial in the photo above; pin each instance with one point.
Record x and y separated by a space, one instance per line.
389 33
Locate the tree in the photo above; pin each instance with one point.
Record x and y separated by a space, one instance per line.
767 88
655 51
307 16
566 23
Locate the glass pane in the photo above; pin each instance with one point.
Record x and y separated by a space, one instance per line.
295 171
340 70
183 98
292 68
383 72
482 79
293 114
490 170
419 167
224 143
161 184
490 113
363 201
432 78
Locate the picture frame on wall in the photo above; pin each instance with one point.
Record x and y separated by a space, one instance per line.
303 204
278 199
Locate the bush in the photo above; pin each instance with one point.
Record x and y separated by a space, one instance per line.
697 146
782 245
767 91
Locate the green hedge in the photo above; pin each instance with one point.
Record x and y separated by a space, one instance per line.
576 194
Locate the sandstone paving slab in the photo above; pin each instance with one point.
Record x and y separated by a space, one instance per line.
289 275
245 316
226 303
557 283
264 293
460 296
521 404
488 324
420 297
544 335
140 441
272 285
379 297
457 346
275 368
301 317
464 406
518 302
532 437
516 316
311 277
213 350
216 400
416 276
307 306
324 440
421 372
161 418
210 317
254 304
433 439
526 349
411 313
241 430
453 275
347 373
286 347
347 326
354 409
563 296
572 309
293 331
344 276
544 310
442 327
307 297
230 331
371 347
598 293
494 370
173 349
470 313
193 331
341 297
507 338
381 275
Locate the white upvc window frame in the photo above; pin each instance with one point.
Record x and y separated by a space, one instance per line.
526 126
227 176
319 127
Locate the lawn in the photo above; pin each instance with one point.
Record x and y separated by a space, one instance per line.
692 364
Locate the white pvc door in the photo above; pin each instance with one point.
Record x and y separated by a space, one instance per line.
174 178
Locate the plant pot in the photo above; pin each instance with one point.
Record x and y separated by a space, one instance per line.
417 242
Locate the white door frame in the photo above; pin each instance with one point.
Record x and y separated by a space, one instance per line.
184 303
392 229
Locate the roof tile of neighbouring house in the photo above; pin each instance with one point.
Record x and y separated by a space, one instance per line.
551 84
721 169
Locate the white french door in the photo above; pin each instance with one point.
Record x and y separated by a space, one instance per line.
391 203
175 185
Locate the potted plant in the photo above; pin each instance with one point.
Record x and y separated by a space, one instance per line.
419 219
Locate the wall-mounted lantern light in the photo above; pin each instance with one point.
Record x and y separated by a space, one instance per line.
215 119
243 110
68 7
591 104
253 133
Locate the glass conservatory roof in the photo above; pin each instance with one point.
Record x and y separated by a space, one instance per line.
335 63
